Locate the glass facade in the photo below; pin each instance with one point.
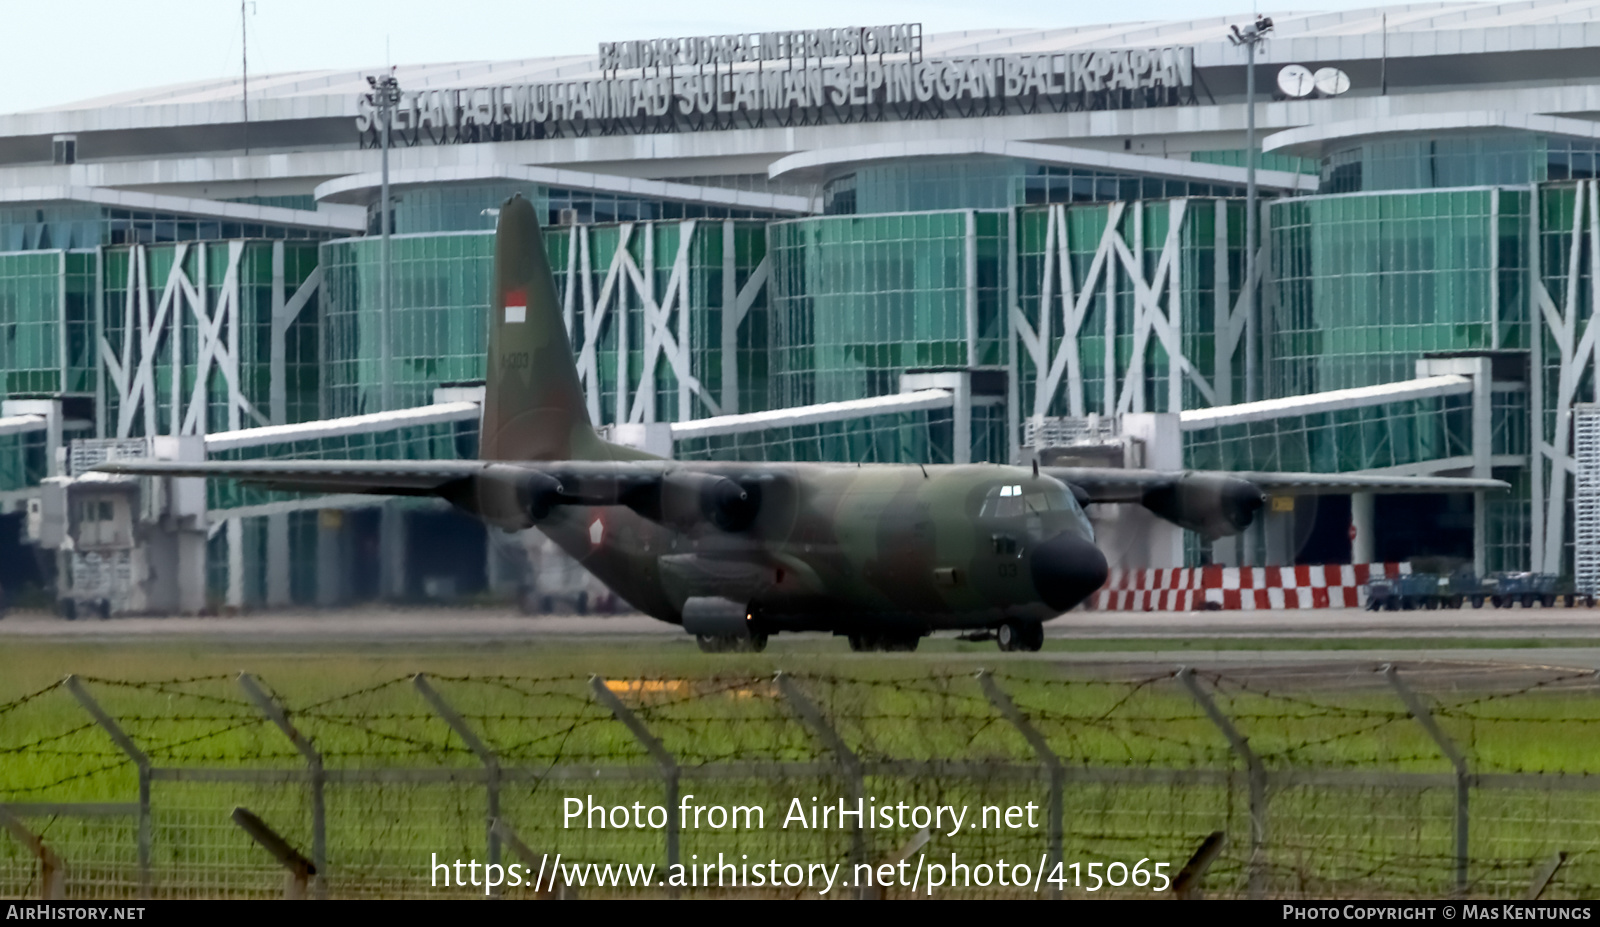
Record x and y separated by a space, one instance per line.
462 207
1265 160
440 296
1143 229
1364 285
984 182
51 226
906 437
438 326
1458 159
47 323
219 273
23 461
857 301
1368 438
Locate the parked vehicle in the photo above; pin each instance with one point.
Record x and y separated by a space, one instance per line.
1411 591
1505 589
1527 588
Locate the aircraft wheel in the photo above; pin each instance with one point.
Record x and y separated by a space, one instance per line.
755 644
1020 635
710 643
862 643
899 643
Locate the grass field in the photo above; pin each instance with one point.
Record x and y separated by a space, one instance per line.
532 704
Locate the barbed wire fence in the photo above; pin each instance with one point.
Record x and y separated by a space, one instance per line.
1390 784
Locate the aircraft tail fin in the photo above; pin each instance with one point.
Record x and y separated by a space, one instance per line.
534 403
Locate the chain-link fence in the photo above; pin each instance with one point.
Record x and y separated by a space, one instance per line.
1369 783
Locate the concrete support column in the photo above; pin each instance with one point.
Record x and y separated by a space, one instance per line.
190 550
1278 527
330 557
1154 541
506 561
278 590
1364 545
392 543
1481 370
959 383
235 534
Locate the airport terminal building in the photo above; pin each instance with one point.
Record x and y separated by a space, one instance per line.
864 244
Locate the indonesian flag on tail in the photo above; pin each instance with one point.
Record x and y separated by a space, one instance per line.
516 306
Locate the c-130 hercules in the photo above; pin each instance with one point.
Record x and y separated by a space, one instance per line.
735 552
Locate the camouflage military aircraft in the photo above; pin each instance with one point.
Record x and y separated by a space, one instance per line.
734 552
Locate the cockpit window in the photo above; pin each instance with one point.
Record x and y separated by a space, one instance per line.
1011 501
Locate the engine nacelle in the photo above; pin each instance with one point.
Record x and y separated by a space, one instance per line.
508 499
1210 504
685 499
537 494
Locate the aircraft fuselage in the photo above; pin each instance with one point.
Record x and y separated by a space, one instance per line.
893 548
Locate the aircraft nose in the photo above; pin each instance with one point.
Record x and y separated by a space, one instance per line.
1067 569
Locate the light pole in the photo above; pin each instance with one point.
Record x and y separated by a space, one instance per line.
1250 36
385 96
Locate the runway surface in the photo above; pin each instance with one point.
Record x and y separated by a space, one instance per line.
1487 650
384 623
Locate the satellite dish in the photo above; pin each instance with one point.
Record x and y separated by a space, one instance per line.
1331 81
1296 81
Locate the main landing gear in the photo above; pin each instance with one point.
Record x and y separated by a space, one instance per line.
901 643
715 643
1020 635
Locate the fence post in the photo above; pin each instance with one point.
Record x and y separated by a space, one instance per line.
319 815
559 889
142 761
1545 873
1186 884
1052 763
300 869
486 756
1257 776
848 761
1424 717
52 873
668 764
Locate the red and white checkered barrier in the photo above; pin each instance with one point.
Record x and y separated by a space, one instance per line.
1248 588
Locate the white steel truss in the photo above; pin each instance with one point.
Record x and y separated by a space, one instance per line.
1051 341
668 320
1570 328
152 336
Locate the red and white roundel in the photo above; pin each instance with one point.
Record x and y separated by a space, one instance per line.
597 532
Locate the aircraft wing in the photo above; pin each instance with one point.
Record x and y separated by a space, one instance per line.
510 495
1219 503
1112 485
404 477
